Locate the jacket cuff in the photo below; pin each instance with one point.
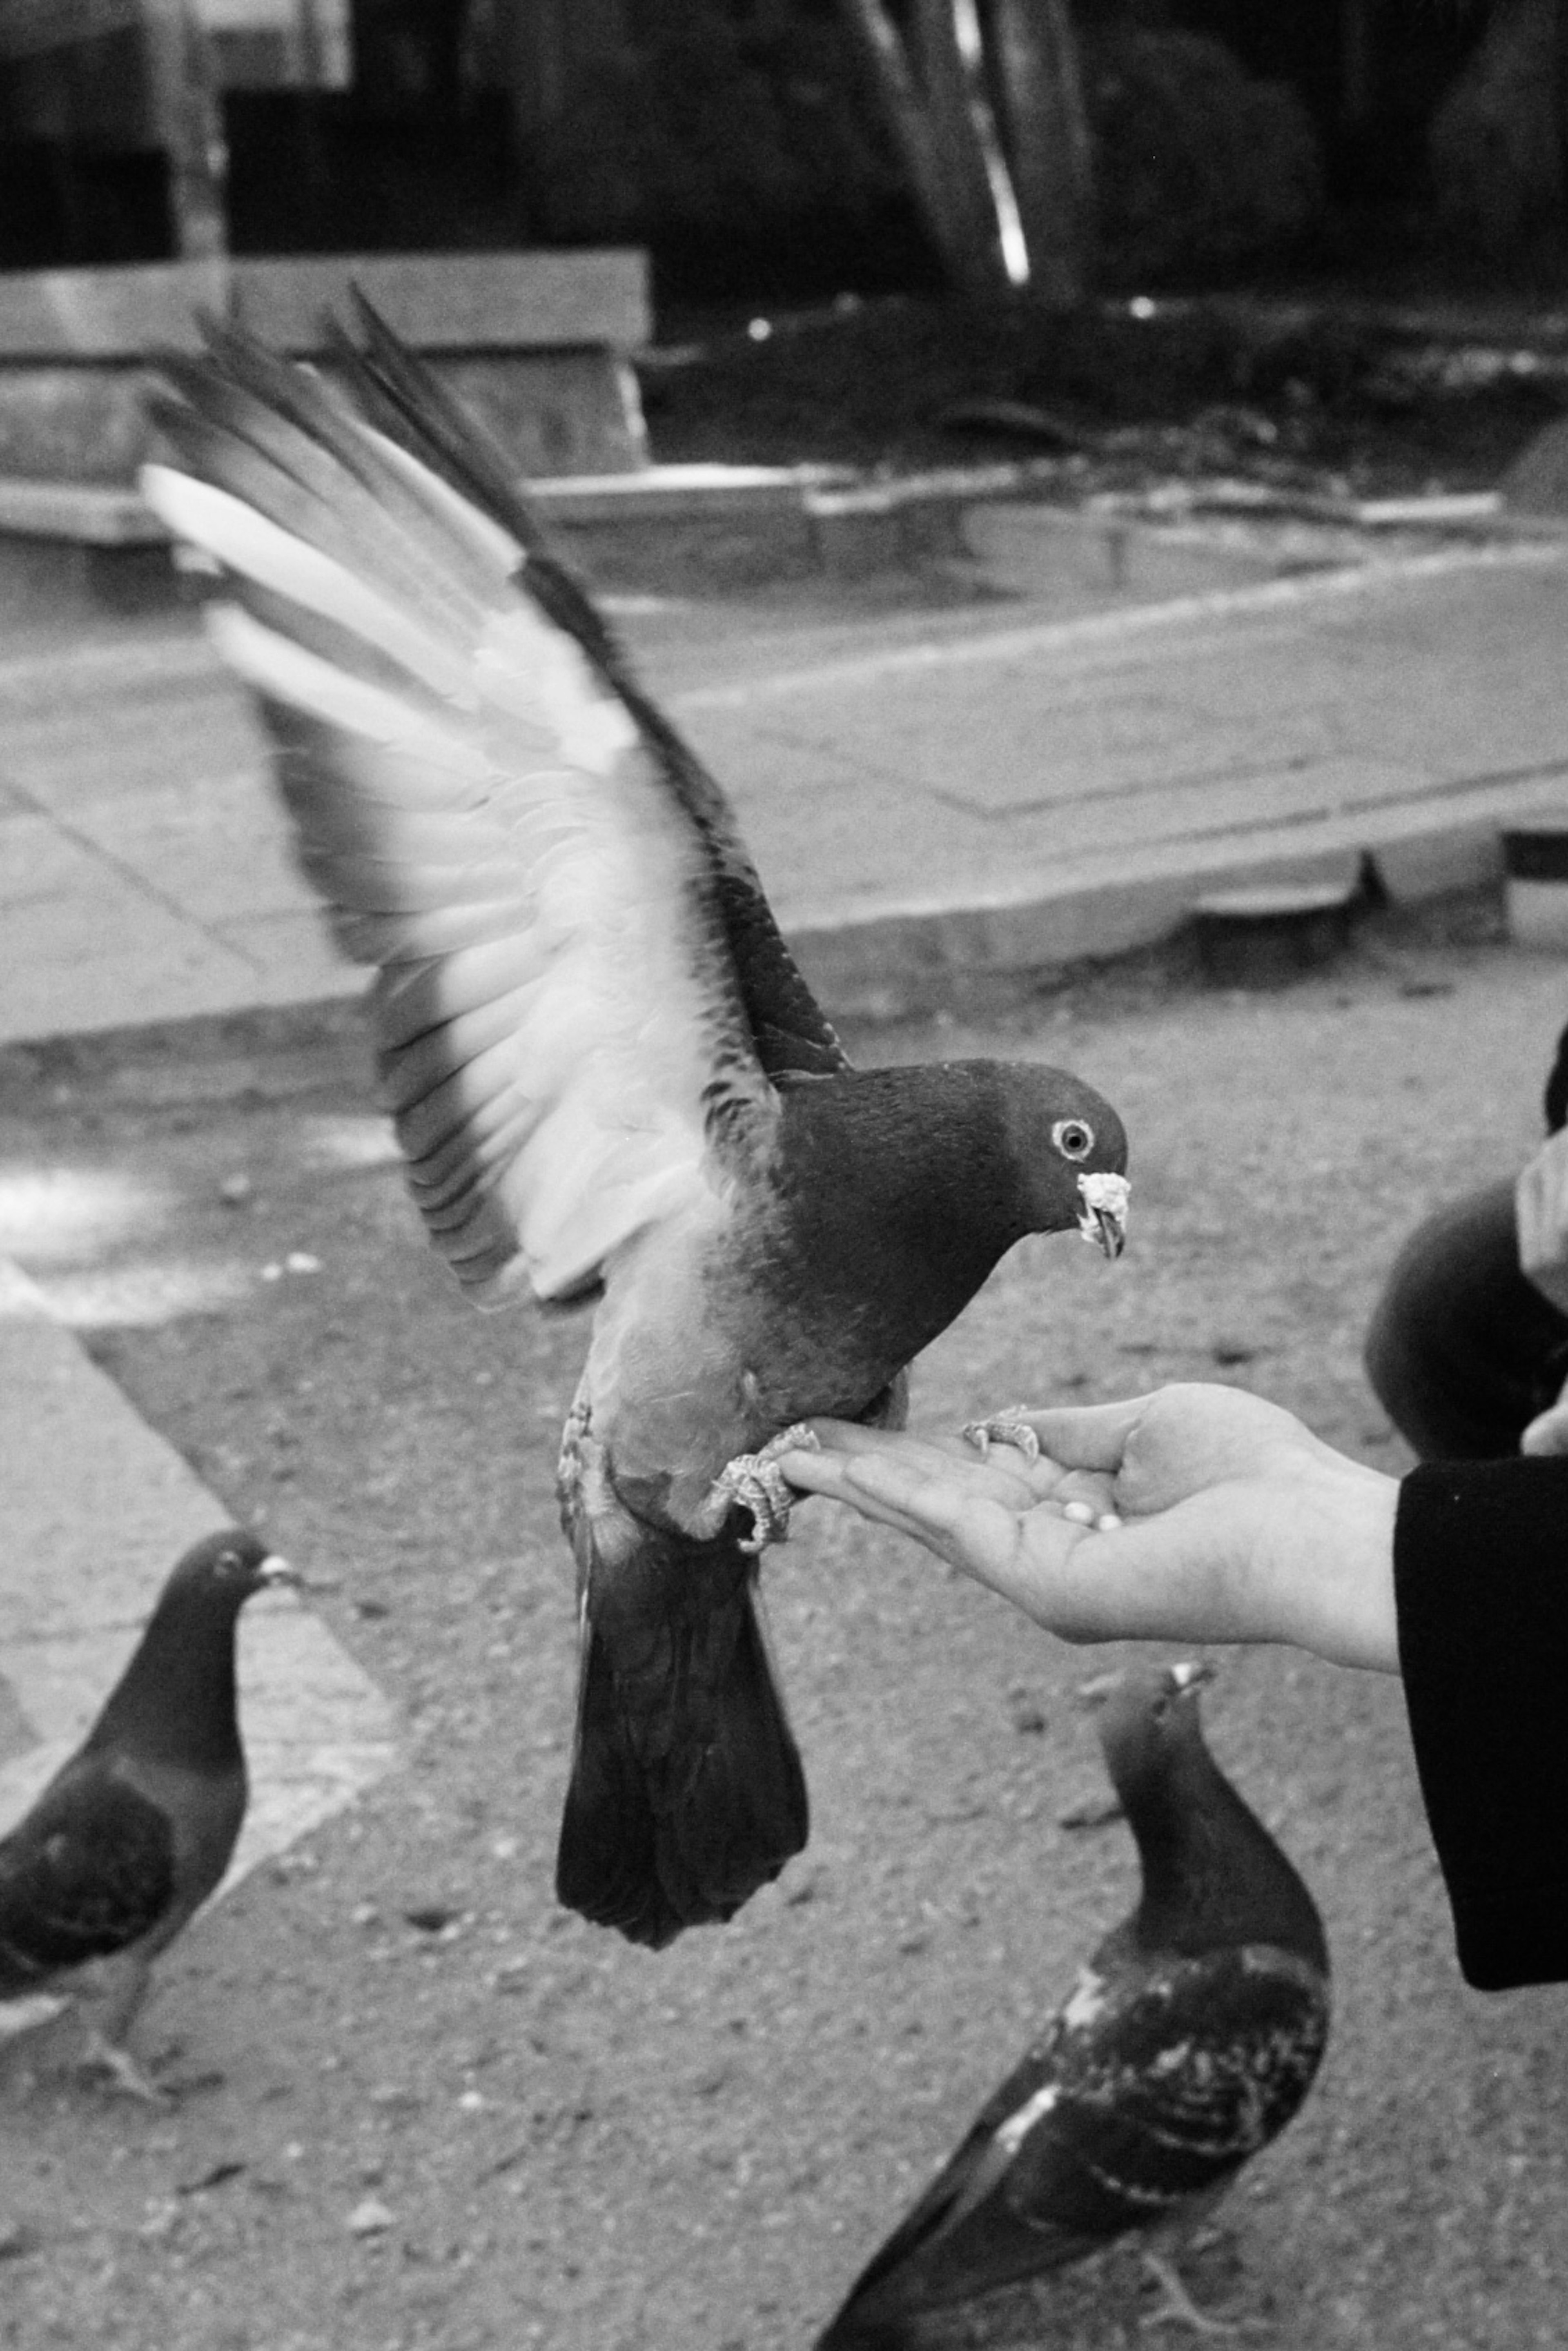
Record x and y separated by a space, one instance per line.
1481 1584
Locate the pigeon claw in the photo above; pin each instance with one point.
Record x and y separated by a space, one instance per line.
1177 2306
756 1482
121 2071
1010 1426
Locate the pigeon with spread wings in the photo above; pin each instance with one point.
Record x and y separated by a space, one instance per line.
611 1083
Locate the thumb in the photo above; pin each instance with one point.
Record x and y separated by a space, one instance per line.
1548 1432
1088 1436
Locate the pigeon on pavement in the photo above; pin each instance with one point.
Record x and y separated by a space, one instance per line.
132 1834
1188 2043
611 1083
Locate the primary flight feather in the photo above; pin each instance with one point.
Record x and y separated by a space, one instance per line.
609 1081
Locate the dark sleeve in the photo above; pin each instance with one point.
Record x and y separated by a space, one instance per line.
1557 1087
1481 1578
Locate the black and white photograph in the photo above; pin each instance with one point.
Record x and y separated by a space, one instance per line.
783 1175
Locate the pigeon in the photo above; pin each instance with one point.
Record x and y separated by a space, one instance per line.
1188 2043
611 1086
132 1834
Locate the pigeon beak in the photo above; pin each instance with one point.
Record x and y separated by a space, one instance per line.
274 1570
1096 1693
1103 1218
1190 1675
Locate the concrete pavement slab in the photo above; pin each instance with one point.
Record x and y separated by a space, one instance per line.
98 1508
994 781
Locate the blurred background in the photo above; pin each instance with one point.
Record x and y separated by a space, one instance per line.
789 150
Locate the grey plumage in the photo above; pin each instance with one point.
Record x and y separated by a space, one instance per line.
1188 2043
136 1829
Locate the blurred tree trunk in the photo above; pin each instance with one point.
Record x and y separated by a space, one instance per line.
985 103
188 112
1045 128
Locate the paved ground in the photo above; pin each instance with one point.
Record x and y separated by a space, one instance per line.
933 797
937 794
568 2143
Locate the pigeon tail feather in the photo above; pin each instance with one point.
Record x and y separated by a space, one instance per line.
677 1814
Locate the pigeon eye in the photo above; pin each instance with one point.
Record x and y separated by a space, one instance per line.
1073 1137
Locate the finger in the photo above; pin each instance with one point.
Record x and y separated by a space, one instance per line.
1548 1432
1087 1435
952 1517
945 1454
946 1446
894 1490
1008 1479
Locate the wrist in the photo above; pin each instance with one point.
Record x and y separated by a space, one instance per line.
1339 1593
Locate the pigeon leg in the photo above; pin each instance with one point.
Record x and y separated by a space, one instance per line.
1009 1427
1178 2308
122 1990
755 1480
104 2056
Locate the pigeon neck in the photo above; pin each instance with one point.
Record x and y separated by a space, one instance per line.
901 1192
175 1701
1213 1875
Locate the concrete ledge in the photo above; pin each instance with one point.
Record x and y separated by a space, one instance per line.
682 529
895 964
519 300
87 514
536 340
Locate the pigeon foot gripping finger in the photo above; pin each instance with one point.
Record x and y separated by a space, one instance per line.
119 2069
1009 1427
756 1482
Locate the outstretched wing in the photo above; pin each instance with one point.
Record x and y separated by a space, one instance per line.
563 1040
398 392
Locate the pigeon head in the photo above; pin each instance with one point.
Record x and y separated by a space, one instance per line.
1148 1720
223 1572
1072 1151
1212 1874
175 1699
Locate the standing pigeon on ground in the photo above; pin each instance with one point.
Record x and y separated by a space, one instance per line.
609 1081
1188 2043
131 1835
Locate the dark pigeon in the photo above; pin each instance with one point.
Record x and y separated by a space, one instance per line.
133 1832
611 1083
1188 2043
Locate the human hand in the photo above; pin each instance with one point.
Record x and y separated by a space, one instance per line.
1237 1523
1541 1206
1548 1432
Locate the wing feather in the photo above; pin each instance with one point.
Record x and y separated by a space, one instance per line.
562 1040
401 393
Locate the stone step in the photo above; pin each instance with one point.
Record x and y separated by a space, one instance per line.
74 551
